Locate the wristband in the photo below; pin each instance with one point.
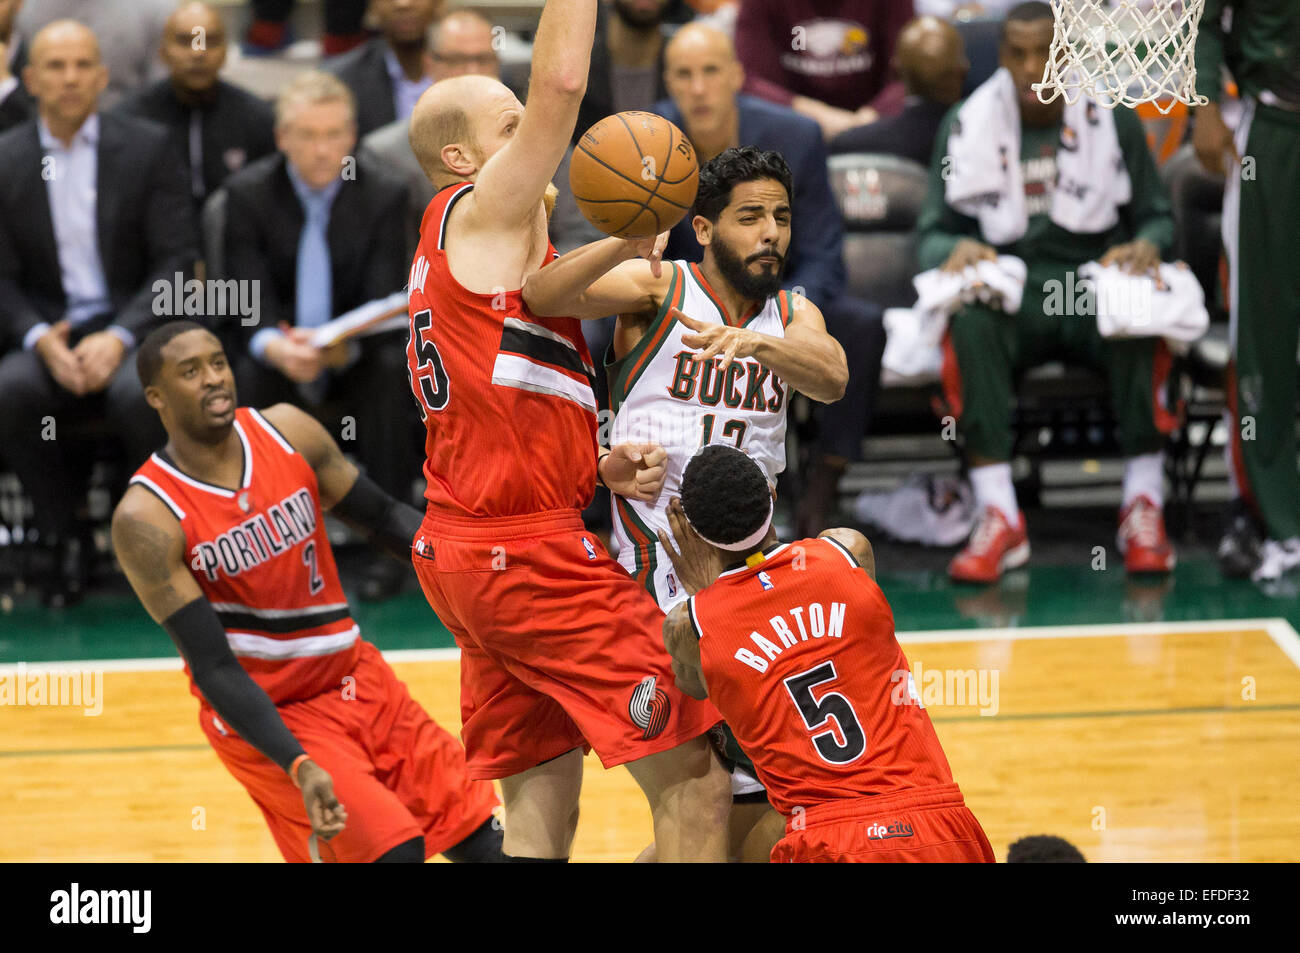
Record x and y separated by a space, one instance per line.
293 770
600 481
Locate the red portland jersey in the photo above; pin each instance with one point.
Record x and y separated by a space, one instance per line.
261 557
506 396
800 658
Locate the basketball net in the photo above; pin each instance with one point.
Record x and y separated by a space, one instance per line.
1123 52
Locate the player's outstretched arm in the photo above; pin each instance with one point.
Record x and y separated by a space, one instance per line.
150 546
855 543
385 522
684 646
807 358
611 276
512 182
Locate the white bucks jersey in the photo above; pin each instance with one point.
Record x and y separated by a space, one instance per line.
659 395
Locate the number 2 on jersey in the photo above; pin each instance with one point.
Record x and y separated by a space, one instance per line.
432 392
737 427
313 574
817 713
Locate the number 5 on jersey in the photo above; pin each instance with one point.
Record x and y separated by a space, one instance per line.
428 375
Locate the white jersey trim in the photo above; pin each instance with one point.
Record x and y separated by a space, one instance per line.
274 433
161 494
248 645
513 371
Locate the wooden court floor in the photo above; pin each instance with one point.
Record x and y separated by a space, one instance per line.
1158 742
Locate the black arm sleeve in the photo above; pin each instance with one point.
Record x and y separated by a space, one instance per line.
386 522
230 691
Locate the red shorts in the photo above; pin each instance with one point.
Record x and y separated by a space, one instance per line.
397 773
560 648
927 825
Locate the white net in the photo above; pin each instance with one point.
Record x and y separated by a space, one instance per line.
1123 52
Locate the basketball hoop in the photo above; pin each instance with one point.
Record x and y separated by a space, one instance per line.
1123 52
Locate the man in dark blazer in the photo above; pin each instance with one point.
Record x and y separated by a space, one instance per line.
218 127
321 233
704 78
386 74
93 215
16 104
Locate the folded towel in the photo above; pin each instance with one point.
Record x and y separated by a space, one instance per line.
1170 305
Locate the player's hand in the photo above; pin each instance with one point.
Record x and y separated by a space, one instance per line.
635 470
1138 257
1212 139
651 249
968 252
100 355
294 357
327 816
696 563
52 348
715 339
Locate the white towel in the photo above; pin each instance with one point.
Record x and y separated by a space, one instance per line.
914 336
982 168
1129 305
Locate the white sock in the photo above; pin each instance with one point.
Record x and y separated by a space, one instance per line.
1145 476
992 485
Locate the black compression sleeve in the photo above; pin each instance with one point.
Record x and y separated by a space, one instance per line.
232 693
385 521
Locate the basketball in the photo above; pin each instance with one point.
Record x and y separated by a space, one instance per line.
634 175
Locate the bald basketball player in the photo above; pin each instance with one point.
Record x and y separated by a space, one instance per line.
560 647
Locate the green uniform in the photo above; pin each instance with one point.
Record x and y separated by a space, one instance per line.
1261 234
986 347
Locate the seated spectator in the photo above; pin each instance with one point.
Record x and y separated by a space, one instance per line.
459 43
93 212
627 65
1125 221
268 28
126 30
321 242
16 104
705 78
964 9
216 126
834 70
387 74
932 64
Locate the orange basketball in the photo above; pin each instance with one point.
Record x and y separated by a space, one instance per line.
634 175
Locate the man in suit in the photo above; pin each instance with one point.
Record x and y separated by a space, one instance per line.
316 228
704 79
216 126
387 75
93 213
16 105
931 60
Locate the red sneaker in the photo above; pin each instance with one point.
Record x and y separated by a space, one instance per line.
1142 537
994 545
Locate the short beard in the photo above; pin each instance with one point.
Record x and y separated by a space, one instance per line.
637 21
752 287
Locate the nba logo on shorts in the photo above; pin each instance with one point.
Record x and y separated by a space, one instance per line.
586 544
672 585
765 580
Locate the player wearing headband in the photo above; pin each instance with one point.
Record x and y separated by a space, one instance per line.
794 644
703 353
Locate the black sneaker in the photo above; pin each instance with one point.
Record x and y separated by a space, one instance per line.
1239 549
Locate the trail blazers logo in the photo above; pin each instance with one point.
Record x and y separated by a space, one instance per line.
649 708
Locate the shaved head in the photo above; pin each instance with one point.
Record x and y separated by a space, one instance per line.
931 59
55 35
452 112
699 38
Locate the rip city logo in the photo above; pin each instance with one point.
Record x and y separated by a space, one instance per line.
649 708
77 906
213 298
65 688
890 830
